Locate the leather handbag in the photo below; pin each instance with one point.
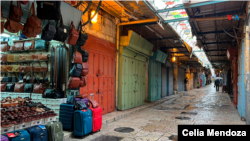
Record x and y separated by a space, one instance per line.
28 88
43 56
4 47
39 88
22 57
41 44
82 36
36 68
3 57
3 86
83 81
13 26
15 68
77 57
85 55
73 82
9 68
61 32
28 57
49 10
93 103
52 93
76 70
32 27
28 45
10 58
19 87
35 57
16 12
10 87
28 69
3 68
16 58
73 35
85 69
48 32
19 46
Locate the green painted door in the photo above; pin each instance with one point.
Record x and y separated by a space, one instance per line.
154 80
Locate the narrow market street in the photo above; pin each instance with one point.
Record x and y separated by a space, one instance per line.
160 122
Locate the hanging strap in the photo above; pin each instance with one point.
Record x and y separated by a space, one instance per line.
52 67
33 11
64 69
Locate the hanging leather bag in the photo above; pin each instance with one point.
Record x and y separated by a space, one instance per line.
48 32
52 93
85 55
76 70
32 27
61 32
77 57
4 47
83 81
43 68
48 10
85 69
19 87
29 45
3 57
41 44
82 36
73 35
3 86
10 87
13 26
39 88
73 82
28 88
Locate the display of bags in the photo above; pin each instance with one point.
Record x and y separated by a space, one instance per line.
73 35
18 46
28 57
43 57
37 134
39 88
35 57
82 36
49 10
40 44
76 70
85 120
10 87
29 45
61 32
73 82
85 55
9 68
15 68
13 26
3 86
22 57
19 87
4 47
28 88
77 57
3 68
36 68
83 81
16 58
10 58
85 69
3 57
55 131
16 12
32 27
48 32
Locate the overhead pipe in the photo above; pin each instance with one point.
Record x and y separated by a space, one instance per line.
215 18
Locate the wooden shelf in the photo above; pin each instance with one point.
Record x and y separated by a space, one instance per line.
20 51
28 61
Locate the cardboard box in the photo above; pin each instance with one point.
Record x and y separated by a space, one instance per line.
22 126
7 129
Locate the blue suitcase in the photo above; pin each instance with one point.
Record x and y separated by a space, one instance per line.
24 136
66 116
37 134
82 123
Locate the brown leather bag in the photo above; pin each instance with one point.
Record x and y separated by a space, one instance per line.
4 47
32 27
77 57
36 68
29 45
16 12
83 81
28 57
3 57
22 57
85 69
9 68
19 87
13 26
73 35
73 82
43 57
3 86
28 69
39 88
15 68
16 57
3 68
19 46
35 57
93 103
10 58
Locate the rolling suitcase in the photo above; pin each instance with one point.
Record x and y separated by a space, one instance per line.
24 136
66 116
82 122
4 138
55 131
97 117
38 134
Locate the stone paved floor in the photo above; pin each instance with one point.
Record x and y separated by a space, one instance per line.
158 123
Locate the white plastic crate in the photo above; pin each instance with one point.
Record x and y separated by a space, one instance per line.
25 95
22 126
3 95
39 96
7 129
33 96
49 119
44 101
37 122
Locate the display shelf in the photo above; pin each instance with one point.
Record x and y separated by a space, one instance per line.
20 51
28 61
3 42
25 72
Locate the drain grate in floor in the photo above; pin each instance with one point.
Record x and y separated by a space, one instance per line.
189 113
124 129
183 118
174 137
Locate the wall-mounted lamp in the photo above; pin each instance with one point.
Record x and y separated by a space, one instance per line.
94 20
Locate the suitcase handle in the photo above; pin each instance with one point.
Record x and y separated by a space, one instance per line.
91 95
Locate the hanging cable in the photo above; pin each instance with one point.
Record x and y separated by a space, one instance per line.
229 34
97 9
90 3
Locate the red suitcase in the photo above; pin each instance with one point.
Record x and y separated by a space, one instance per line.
96 115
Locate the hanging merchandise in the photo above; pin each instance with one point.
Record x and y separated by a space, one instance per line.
73 35
3 86
39 88
82 36
41 44
48 32
76 70
29 45
73 82
19 87
61 32
77 57
85 69
83 81
85 54
32 27
48 10
28 88
15 13
2 22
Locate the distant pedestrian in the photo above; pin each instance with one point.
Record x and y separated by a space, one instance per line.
217 83
185 84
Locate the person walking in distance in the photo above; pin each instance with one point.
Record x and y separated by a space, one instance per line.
185 84
217 83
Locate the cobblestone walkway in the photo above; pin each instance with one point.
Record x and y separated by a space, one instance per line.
159 123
